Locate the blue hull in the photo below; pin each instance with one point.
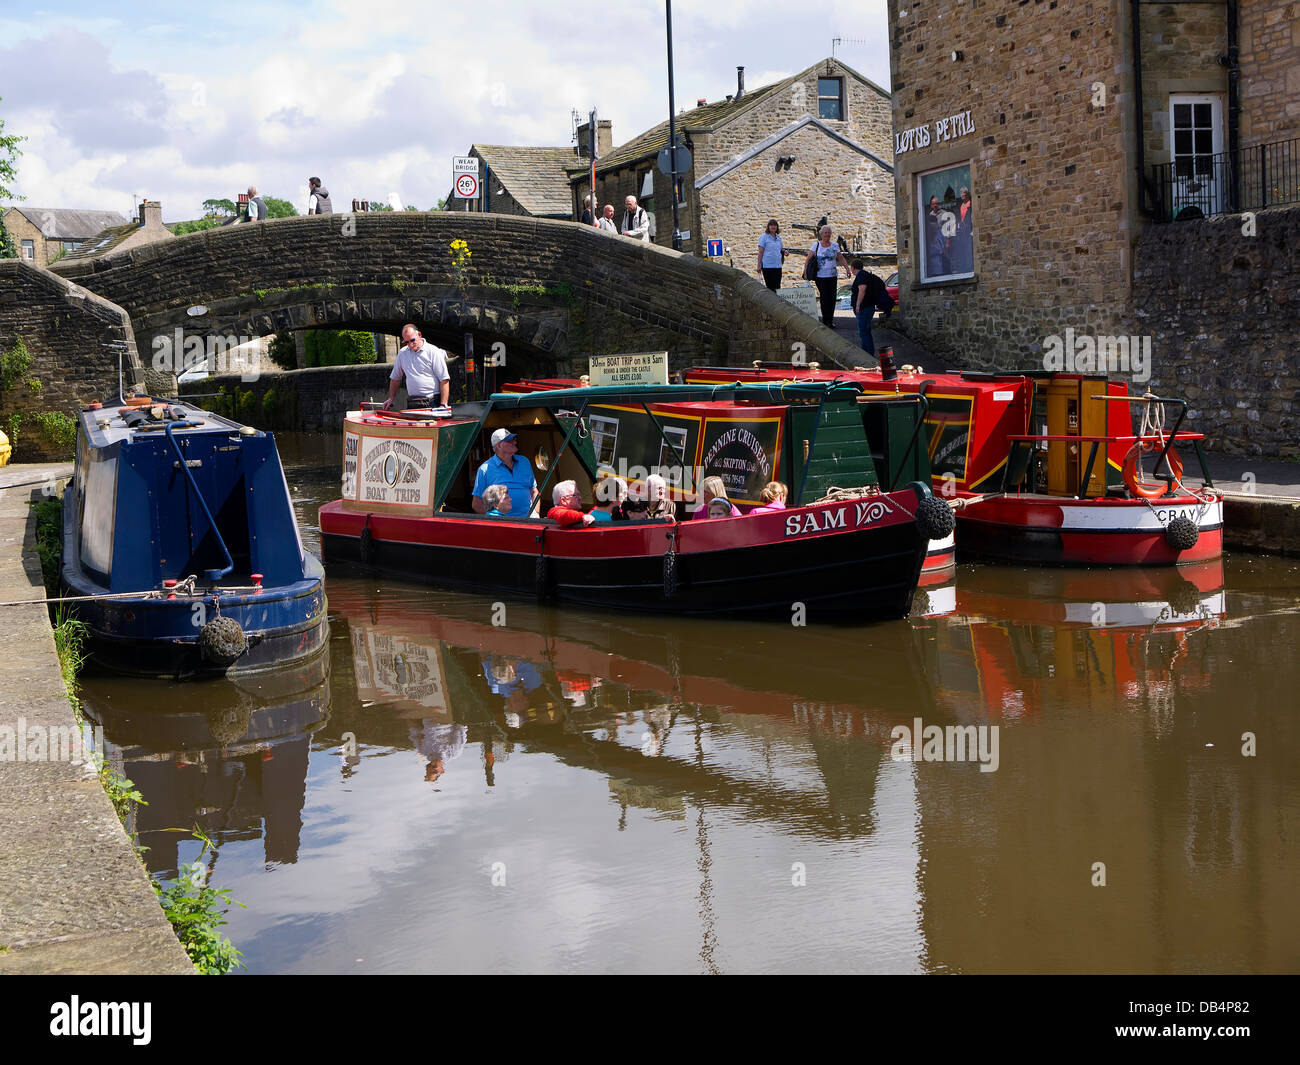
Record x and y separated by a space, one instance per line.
181 529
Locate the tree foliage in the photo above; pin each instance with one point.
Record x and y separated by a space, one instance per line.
279 208
9 153
346 347
221 208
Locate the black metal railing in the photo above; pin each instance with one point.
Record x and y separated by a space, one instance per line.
1266 175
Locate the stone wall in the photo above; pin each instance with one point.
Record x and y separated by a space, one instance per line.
1180 46
314 400
1048 171
1225 334
1270 71
859 202
73 337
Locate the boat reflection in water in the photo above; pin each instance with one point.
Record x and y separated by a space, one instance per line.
1105 637
229 756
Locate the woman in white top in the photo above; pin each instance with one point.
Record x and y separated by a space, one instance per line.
771 253
829 260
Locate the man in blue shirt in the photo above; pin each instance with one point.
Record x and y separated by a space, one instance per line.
509 468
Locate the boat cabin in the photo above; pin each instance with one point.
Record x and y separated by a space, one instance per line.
812 437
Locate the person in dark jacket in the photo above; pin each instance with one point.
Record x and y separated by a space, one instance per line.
256 208
869 295
320 198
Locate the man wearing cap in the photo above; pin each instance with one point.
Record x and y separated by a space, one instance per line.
424 368
507 467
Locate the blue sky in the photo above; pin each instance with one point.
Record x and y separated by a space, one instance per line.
142 99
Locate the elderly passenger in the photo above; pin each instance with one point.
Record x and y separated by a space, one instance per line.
568 505
496 497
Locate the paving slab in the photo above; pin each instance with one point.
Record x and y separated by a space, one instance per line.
74 898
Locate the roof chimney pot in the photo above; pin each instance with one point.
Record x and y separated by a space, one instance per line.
740 82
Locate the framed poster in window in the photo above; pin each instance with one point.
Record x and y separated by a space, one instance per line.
946 215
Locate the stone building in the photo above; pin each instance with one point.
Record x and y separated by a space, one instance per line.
1119 169
41 234
817 143
147 228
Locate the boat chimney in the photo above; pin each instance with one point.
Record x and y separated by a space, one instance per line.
887 369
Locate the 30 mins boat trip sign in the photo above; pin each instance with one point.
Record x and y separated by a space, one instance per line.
637 368
383 472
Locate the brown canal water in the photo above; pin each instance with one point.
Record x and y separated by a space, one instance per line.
461 786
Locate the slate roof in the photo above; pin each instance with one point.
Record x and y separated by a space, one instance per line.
536 177
104 241
697 119
69 223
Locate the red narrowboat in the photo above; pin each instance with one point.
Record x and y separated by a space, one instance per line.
408 494
1046 467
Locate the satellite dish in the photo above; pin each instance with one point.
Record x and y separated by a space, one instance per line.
197 311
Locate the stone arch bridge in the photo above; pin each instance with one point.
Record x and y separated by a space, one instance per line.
552 292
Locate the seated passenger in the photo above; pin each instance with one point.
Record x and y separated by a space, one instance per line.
712 488
568 505
771 498
609 495
496 497
649 500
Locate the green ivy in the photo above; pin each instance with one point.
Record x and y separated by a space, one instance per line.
270 408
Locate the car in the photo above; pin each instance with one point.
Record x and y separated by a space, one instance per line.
844 295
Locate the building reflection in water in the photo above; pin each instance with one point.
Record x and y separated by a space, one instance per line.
228 756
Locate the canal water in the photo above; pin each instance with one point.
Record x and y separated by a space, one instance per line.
468 785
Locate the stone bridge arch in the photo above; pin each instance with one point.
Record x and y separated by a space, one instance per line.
552 292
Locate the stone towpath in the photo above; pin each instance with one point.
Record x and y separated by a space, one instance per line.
73 896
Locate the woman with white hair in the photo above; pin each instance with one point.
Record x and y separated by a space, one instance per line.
826 274
648 501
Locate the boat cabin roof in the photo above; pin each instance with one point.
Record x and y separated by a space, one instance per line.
107 425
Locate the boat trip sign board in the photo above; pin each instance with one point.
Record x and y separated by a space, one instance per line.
389 469
638 368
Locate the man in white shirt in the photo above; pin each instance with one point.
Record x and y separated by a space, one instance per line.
424 368
606 221
636 223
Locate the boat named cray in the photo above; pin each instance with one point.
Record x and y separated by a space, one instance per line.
1045 467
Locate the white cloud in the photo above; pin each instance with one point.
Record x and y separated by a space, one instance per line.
374 102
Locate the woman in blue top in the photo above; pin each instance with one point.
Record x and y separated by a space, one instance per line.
771 253
829 260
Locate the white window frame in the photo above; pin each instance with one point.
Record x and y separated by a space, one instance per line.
1211 200
26 247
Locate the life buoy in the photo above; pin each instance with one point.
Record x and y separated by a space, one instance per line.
1150 489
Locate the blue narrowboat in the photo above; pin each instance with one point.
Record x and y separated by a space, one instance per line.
180 547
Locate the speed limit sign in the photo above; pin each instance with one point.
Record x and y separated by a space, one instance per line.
464 171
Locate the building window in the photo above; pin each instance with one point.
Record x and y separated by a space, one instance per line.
830 97
945 219
71 245
29 249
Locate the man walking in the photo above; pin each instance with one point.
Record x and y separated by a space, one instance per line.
424 367
506 467
636 223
